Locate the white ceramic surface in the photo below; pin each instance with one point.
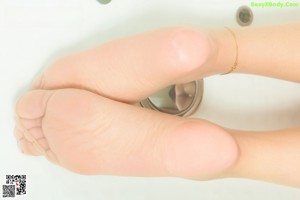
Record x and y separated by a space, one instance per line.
33 33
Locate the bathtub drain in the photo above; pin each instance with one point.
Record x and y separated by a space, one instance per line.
179 99
244 16
104 1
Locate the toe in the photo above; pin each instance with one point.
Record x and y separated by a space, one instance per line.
30 111
36 133
33 104
18 133
28 148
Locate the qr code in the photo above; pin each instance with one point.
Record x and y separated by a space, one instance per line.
15 185
9 190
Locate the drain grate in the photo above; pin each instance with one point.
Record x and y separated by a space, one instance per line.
244 16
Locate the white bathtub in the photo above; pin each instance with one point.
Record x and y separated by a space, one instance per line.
33 33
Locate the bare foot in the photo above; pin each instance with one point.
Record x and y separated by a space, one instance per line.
132 68
90 134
